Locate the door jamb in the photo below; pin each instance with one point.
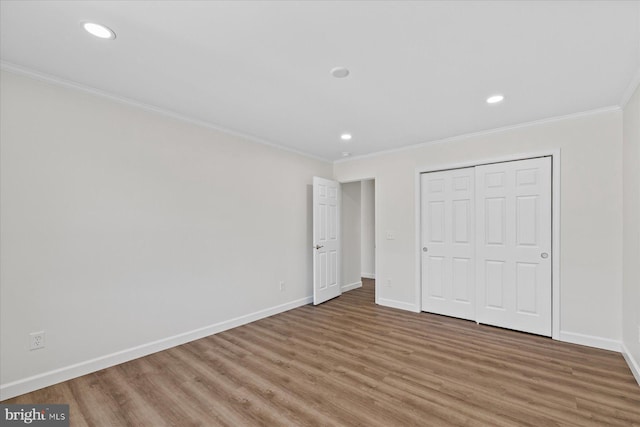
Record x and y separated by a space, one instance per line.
555 223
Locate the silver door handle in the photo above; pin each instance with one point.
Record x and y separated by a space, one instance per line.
425 249
318 246
544 255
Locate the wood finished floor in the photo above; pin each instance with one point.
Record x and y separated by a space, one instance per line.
367 365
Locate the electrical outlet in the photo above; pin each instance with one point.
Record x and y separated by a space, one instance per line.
391 235
36 340
388 283
282 287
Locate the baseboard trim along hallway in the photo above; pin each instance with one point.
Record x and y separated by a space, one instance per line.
351 286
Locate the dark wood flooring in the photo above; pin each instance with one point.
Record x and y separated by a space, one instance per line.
350 362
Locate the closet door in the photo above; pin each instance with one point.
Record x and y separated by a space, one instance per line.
447 236
513 253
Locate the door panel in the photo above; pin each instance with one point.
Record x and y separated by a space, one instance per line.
494 282
495 208
436 277
436 223
448 236
461 219
461 279
526 287
526 219
326 238
514 245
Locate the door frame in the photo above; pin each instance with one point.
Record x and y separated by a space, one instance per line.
555 222
376 241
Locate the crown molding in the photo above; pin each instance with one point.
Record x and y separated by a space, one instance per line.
484 133
17 69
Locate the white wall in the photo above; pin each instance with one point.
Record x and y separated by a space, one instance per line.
591 213
351 235
631 233
367 238
120 227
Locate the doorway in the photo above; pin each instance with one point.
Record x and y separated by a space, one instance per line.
358 234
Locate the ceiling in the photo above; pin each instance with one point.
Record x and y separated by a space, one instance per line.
419 71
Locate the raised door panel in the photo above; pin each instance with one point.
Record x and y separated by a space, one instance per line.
462 280
332 248
436 232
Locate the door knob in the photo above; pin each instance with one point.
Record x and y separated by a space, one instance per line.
425 249
318 246
544 255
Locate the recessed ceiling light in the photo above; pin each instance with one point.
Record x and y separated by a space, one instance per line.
339 72
98 30
346 154
494 99
345 137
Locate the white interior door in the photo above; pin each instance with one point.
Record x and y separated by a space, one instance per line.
448 239
513 201
326 237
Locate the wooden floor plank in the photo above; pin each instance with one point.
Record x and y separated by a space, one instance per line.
351 362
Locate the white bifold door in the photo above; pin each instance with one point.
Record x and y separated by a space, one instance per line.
327 199
487 248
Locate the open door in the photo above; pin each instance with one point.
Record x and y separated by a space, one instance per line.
326 239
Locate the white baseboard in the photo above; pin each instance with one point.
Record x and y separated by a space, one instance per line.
351 286
46 379
633 363
368 275
398 304
590 341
